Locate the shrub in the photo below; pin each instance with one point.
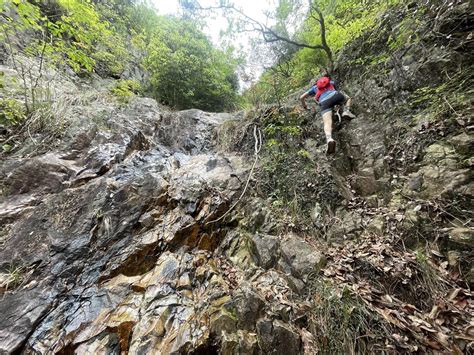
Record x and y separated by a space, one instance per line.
125 89
12 112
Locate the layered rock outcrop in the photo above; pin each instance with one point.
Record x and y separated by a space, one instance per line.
113 239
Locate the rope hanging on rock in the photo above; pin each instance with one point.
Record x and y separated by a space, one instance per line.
257 136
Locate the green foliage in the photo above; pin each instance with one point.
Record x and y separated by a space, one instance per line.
287 168
273 86
421 257
93 40
347 20
406 32
12 112
186 71
13 277
280 125
68 32
304 153
444 101
344 21
125 89
7 148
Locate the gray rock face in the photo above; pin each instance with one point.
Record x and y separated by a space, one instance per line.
267 248
99 231
109 245
300 256
278 338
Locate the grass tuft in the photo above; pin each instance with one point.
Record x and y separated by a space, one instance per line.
342 324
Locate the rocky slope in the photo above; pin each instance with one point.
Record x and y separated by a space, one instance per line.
120 237
117 216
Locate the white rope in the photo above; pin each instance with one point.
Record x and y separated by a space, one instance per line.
257 135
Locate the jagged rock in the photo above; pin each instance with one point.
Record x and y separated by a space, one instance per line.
463 237
415 183
440 152
148 219
300 256
278 338
348 225
463 143
16 325
248 307
257 217
365 183
122 221
442 180
376 225
116 237
266 247
241 250
16 205
239 343
50 174
223 321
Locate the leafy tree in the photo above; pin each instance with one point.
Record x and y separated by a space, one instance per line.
186 71
68 32
329 24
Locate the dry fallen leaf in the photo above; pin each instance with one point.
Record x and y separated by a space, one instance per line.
461 303
436 253
388 298
409 308
454 293
434 312
443 339
430 330
399 217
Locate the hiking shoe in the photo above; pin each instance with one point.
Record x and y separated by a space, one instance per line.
331 147
348 114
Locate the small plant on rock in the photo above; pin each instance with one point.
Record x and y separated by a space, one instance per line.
11 278
12 112
125 89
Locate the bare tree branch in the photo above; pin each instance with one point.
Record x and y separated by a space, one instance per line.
277 37
322 24
271 36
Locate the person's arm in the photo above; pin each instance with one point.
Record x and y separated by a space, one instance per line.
310 92
303 100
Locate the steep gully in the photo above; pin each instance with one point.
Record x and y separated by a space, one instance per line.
113 238
108 236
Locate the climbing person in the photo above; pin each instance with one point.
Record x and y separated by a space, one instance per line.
327 96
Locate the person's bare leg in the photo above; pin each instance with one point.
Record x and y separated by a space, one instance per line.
327 121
